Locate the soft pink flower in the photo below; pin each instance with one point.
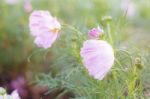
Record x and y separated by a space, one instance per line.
95 33
98 57
44 28
12 2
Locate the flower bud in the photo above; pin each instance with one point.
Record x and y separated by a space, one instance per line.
138 63
106 19
95 33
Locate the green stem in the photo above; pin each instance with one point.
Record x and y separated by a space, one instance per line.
33 53
73 29
109 33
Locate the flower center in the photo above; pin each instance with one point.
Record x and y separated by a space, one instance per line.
55 30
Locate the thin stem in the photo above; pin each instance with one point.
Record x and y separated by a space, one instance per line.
79 33
127 53
72 28
33 53
61 94
109 33
118 62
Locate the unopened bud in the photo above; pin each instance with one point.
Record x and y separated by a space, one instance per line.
106 19
138 63
96 33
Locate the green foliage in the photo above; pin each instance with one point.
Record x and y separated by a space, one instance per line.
122 82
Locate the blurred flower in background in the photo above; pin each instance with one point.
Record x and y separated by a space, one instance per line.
128 7
4 95
20 84
28 6
12 2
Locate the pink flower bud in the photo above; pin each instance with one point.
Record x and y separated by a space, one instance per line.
95 33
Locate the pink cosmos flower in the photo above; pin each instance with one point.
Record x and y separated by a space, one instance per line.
44 28
98 57
95 33
12 2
